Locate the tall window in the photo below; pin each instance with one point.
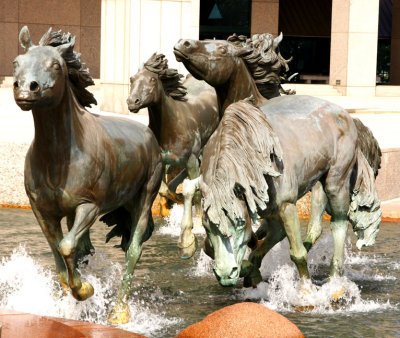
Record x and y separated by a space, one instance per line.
221 18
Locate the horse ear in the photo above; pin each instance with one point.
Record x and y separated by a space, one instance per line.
25 39
278 40
66 47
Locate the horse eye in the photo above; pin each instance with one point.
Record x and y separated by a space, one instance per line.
56 66
152 79
15 64
222 50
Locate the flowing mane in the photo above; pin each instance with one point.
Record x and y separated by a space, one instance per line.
169 77
245 153
264 60
78 73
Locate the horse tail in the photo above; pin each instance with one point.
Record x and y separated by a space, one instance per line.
365 206
369 146
121 221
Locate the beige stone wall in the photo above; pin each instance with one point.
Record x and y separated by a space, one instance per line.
264 16
132 30
354 42
80 17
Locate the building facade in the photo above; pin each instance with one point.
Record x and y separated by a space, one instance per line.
332 41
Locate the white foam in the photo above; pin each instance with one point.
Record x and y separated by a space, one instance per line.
203 266
28 287
173 222
284 293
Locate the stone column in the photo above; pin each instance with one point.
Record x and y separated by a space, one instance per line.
131 31
264 16
395 45
354 42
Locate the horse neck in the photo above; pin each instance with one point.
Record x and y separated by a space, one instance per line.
163 117
240 86
59 129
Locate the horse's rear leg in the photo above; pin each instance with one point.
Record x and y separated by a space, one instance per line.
274 234
51 228
85 215
291 223
339 200
318 205
141 229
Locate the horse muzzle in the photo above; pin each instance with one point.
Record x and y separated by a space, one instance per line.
227 278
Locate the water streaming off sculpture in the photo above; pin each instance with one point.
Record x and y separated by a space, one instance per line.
167 297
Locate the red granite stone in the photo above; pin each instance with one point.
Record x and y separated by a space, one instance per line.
244 320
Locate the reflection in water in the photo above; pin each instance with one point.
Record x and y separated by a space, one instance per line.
169 294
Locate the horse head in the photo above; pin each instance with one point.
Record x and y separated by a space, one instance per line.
210 60
227 237
144 91
153 80
43 72
40 74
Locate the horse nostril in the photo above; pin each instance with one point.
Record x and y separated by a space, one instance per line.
16 84
187 44
233 272
137 101
34 86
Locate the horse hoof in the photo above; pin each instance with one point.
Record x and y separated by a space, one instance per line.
120 314
188 252
252 279
86 291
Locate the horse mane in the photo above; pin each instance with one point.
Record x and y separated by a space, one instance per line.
264 61
170 78
245 148
78 73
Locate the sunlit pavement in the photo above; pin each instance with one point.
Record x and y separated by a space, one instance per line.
380 114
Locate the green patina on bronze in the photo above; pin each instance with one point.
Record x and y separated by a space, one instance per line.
82 165
308 131
183 116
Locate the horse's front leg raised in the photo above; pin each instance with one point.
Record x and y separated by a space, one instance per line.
85 215
187 240
51 228
274 234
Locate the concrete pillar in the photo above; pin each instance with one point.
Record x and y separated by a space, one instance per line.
264 16
395 45
131 31
354 43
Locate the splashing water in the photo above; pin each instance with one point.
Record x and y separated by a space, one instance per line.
28 287
203 267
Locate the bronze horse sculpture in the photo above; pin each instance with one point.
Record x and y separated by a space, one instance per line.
231 68
82 165
258 164
182 116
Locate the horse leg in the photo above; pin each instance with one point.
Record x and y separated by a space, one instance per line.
187 243
298 252
84 247
85 215
51 228
274 234
141 229
318 205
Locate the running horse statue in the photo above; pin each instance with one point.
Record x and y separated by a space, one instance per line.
82 165
231 68
182 116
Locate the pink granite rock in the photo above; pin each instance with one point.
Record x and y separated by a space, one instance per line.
243 320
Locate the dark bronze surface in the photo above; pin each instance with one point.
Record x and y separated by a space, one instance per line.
82 165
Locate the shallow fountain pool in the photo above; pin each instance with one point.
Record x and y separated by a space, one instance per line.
168 293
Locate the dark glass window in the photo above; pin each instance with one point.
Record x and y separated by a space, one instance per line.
221 18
